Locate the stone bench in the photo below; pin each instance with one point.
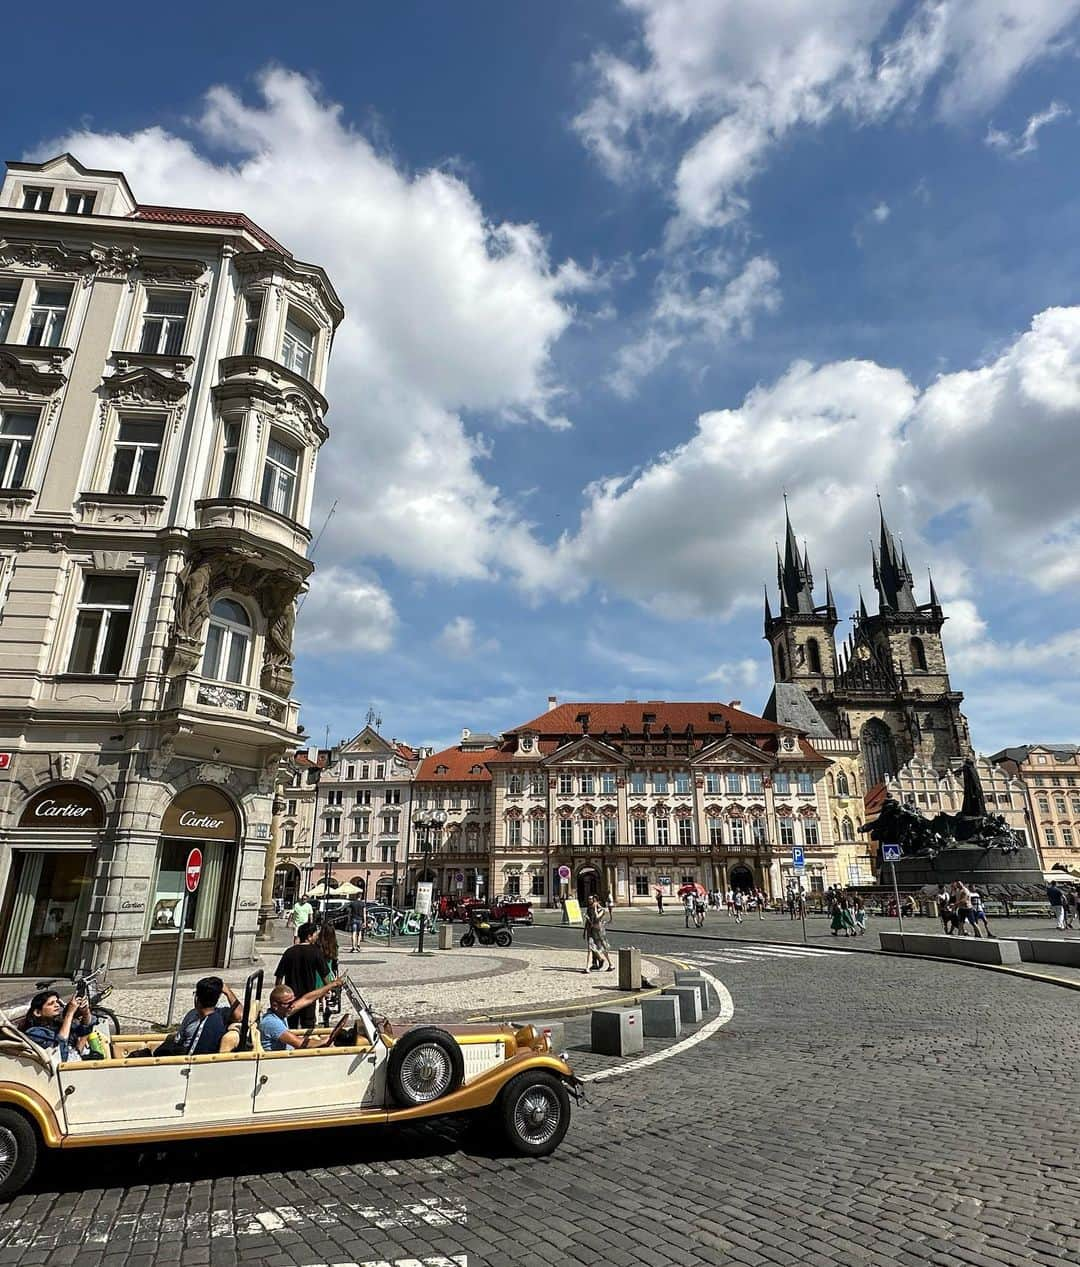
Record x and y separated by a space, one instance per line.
1049 950
617 1031
971 949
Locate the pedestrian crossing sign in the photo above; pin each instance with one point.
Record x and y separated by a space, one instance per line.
890 853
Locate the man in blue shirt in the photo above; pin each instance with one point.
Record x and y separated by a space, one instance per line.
203 1028
274 1031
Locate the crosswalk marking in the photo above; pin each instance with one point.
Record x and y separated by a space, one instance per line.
752 954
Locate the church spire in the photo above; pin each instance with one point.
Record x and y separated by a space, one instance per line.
934 601
892 576
796 583
830 602
768 610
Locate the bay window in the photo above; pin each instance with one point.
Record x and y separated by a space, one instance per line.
9 297
280 478
252 317
228 642
102 625
230 456
297 346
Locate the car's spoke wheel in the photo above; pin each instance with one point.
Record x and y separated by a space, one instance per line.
9 1154
535 1111
18 1151
426 1073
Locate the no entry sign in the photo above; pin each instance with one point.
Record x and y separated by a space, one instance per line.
193 870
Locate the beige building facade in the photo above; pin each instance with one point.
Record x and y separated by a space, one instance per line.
161 410
1049 775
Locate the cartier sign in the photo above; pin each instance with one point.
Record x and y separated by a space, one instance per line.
62 807
200 813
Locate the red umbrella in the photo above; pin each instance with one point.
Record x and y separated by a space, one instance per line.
691 888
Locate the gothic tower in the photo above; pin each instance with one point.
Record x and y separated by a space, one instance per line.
801 637
888 687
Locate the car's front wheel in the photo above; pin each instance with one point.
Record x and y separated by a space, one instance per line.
424 1065
535 1113
18 1152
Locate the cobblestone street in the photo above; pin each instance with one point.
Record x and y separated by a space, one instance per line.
856 1109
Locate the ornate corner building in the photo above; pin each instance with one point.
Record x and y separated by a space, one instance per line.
161 409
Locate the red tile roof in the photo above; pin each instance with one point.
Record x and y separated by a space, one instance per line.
405 752
610 717
459 766
874 800
207 219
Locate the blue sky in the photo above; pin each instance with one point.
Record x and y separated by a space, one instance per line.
617 275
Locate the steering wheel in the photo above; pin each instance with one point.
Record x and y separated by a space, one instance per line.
342 1021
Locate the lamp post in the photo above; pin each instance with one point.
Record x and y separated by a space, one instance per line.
331 852
428 826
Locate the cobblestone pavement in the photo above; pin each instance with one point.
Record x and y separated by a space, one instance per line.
855 1110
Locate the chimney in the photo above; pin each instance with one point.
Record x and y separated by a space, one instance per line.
735 703
465 733
553 702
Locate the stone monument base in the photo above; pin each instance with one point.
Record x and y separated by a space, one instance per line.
974 865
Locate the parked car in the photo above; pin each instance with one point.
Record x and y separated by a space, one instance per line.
514 910
373 1074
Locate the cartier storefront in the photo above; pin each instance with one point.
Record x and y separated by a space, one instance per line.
54 848
205 818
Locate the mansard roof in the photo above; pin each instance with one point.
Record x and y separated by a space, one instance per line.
789 705
599 718
456 765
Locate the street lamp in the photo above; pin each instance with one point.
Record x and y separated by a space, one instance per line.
428 826
331 852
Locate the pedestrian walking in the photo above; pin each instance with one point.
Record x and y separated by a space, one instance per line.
356 921
961 896
836 915
609 905
759 898
595 941
302 913
1072 907
688 910
944 904
858 911
977 914
1056 897
659 902
737 901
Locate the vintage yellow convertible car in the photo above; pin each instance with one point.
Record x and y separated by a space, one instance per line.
378 1077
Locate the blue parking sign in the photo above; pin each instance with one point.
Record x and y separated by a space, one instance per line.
891 853
798 858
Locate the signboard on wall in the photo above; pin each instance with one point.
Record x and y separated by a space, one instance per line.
200 813
62 807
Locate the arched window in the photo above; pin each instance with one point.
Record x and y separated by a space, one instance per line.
813 655
847 829
918 654
228 642
842 788
879 756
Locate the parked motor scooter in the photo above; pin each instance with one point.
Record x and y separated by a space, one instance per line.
482 930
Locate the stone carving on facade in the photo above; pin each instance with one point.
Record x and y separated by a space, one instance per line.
215 772
52 257
26 378
111 261
160 758
141 385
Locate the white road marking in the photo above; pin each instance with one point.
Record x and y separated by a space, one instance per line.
458 1260
727 1011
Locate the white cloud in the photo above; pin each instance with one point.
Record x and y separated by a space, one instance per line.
345 610
458 640
1028 140
880 213
447 312
737 79
684 311
745 672
991 447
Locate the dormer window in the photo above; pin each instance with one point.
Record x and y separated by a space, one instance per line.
164 322
297 346
35 198
442 769
80 204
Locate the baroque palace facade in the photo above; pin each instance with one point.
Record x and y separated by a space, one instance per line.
161 409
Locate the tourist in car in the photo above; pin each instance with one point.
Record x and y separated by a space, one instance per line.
274 1031
49 1023
203 1028
303 967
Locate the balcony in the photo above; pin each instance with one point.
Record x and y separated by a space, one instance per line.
225 706
246 378
230 517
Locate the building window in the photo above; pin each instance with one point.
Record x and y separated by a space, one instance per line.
513 885
738 831
817 884
35 199
754 784
539 832
588 832
16 441
48 317
1076 808
638 831
393 796
228 639
607 784
289 837
1044 805
80 204
291 808
682 784
641 886
1059 804
847 829
918 655
164 322
513 832
9 297
537 886
513 785
297 347
782 783
135 462
334 796
588 785
364 771
805 782
252 317
637 783
566 783
390 824
842 784
733 782
813 655
663 832
279 478
230 455
332 825
716 830
363 796
686 832
811 832
660 783
611 832
350 773
1067 837
712 784
787 831
102 624
757 830
1049 837
566 832
386 853
380 770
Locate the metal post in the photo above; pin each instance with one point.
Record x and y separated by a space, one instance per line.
176 966
393 904
896 897
802 909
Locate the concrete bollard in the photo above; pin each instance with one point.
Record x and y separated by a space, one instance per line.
661 1017
700 984
689 997
617 1031
629 968
446 936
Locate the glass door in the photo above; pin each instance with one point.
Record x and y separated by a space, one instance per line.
50 893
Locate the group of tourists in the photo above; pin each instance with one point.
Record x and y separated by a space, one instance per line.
960 907
847 913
